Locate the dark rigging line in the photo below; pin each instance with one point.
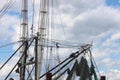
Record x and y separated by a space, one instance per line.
96 66
30 73
64 43
71 57
57 3
63 66
55 67
59 12
33 15
9 44
18 61
1 46
54 40
47 35
95 63
5 8
14 67
57 46
11 56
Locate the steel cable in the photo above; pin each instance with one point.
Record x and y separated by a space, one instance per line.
18 61
6 7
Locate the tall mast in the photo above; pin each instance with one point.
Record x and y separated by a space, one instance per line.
24 26
41 35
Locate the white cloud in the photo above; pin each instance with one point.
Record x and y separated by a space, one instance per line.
95 22
8 25
81 5
113 75
106 56
84 20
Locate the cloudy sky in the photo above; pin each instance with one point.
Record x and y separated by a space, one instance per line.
84 21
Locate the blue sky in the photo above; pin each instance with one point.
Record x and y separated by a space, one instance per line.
114 3
83 22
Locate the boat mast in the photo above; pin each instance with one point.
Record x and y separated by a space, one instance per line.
24 26
41 35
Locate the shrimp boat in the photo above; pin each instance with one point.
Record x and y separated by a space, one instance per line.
40 53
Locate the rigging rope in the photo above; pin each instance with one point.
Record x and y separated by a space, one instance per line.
33 15
19 59
57 54
11 56
9 44
6 7
69 59
13 53
92 58
57 3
